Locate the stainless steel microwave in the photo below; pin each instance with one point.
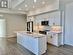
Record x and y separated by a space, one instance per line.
45 23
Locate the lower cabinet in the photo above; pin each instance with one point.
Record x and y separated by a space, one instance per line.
54 39
37 45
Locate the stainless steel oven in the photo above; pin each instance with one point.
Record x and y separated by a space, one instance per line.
43 32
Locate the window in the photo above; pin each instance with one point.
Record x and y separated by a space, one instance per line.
3 4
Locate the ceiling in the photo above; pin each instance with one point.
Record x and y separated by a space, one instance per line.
66 1
27 5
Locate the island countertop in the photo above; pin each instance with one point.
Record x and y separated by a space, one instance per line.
32 34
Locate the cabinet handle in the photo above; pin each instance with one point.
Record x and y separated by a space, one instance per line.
51 36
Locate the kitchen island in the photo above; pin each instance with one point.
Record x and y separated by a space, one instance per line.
34 42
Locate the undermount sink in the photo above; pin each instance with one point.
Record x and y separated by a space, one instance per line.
29 32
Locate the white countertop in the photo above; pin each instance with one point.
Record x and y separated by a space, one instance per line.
33 34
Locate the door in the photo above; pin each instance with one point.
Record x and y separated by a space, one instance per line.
69 24
2 35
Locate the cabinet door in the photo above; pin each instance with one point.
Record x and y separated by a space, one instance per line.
55 39
51 20
57 20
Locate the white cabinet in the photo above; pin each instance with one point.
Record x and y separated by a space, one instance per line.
55 17
31 18
54 39
37 45
51 21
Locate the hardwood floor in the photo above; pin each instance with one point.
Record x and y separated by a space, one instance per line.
10 47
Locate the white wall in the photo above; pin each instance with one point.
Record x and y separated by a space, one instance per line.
69 24
14 23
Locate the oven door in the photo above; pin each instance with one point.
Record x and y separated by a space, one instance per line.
43 32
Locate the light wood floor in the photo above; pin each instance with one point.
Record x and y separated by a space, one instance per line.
10 47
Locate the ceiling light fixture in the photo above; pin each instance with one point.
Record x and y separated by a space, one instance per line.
35 0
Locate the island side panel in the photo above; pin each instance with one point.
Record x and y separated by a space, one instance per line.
42 45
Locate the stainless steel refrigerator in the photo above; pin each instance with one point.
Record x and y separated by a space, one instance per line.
30 26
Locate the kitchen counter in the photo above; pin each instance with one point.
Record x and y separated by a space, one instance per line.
34 42
32 34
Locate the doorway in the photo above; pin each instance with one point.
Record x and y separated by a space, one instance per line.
2 35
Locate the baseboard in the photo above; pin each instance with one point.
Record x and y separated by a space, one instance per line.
11 36
69 44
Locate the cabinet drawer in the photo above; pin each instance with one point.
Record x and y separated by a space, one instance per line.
55 40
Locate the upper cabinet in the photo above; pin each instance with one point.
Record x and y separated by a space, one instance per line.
30 18
54 18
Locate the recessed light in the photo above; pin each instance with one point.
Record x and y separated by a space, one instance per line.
25 5
35 0
43 2
19 9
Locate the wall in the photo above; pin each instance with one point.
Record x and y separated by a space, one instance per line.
12 11
14 23
69 24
